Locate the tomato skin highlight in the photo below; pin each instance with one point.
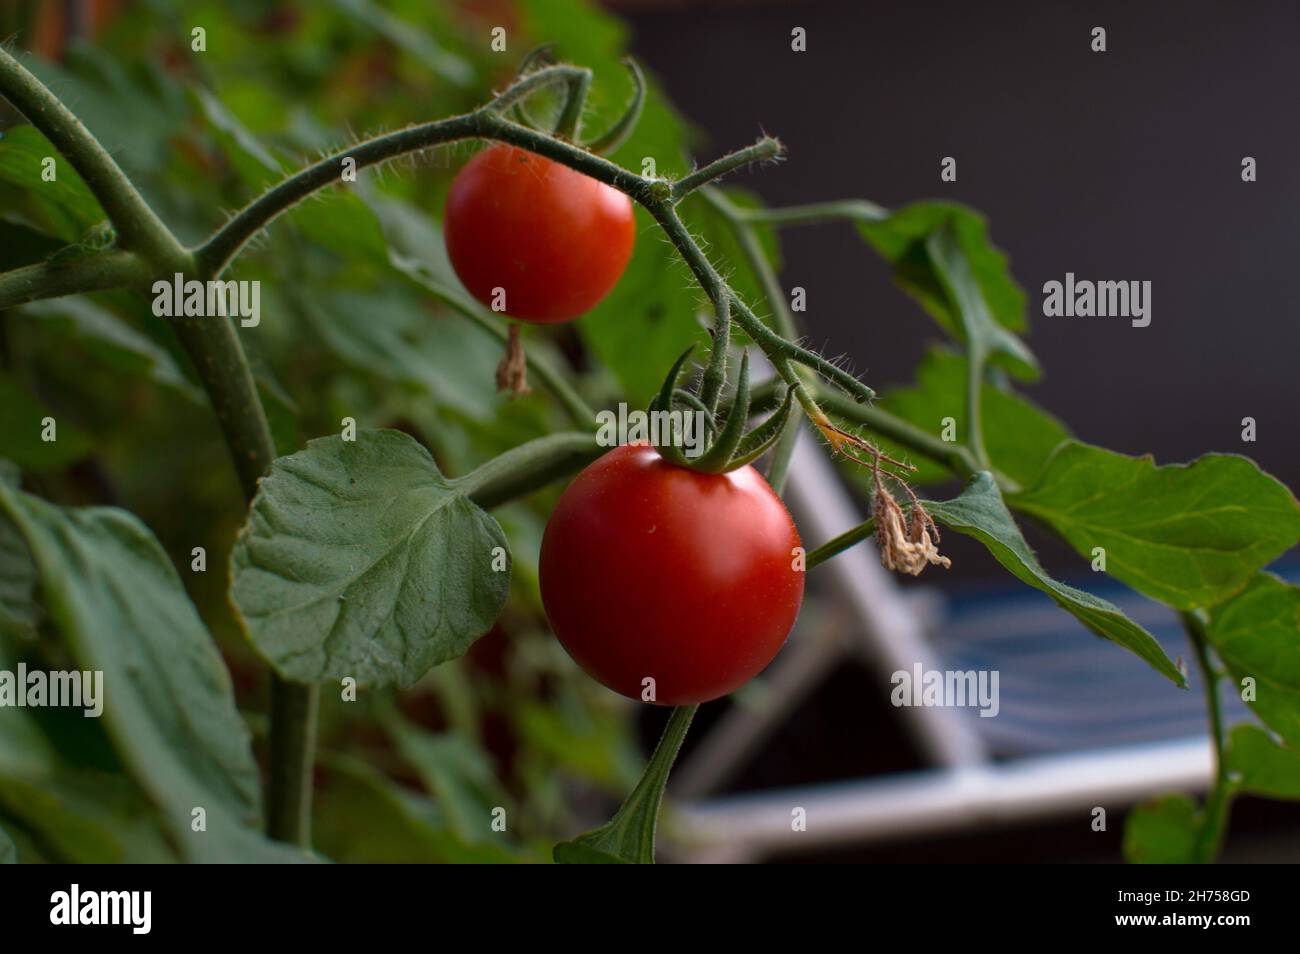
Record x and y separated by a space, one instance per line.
653 570
555 239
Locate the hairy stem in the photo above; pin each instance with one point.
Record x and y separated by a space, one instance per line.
99 271
955 457
529 466
216 253
778 468
816 213
765 148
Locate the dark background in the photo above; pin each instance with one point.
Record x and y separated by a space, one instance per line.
1119 165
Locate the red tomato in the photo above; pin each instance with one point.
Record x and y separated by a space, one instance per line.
650 570
554 239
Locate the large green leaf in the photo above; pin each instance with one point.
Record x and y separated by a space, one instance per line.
1260 766
1163 831
1189 535
901 238
1257 635
360 559
979 512
168 707
1018 435
21 417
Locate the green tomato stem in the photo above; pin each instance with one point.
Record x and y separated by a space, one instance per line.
529 466
837 545
1209 840
765 148
290 763
816 213
99 271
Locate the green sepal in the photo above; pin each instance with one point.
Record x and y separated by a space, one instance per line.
757 442
536 58
717 458
618 133
682 396
663 401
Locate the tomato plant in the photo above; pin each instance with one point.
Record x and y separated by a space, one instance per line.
652 571
554 241
361 504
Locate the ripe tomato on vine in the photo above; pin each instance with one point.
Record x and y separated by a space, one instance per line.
654 571
554 240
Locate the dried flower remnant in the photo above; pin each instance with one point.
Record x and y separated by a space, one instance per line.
908 550
512 372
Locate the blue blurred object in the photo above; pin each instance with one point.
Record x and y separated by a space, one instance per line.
1061 688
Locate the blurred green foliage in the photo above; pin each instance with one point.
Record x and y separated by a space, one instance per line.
345 333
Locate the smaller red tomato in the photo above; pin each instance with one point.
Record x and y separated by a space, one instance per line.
554 240
654 571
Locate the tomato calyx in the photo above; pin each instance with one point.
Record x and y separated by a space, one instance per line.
727 444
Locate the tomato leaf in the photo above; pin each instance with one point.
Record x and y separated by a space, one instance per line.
629 837
1163 831
1019 435
979 512
900 236
1189 535
1260 766
1257 635
359 558
167 701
